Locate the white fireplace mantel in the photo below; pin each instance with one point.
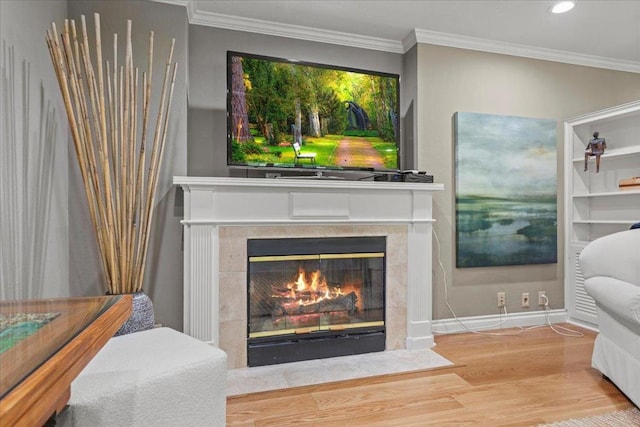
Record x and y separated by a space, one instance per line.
211 203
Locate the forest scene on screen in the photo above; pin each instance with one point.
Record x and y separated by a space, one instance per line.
290 114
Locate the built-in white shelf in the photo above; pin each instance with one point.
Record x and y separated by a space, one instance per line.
621 193
594 204
580 243
616 152
605 221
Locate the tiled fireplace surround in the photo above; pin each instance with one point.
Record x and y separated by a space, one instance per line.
222 213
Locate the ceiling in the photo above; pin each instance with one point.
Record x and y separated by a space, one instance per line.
600 33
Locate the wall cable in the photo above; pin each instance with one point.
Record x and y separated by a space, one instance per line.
500 324
560 330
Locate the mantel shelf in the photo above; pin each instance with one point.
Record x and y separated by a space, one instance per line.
300 183
328 221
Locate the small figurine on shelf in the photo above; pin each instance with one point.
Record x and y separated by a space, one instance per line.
596 148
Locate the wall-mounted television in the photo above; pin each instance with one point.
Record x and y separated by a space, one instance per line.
288 114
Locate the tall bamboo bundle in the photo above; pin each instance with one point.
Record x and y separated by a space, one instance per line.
109 122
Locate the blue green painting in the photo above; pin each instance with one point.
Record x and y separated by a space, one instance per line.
506 178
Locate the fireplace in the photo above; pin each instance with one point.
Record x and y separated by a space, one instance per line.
311 298
221 214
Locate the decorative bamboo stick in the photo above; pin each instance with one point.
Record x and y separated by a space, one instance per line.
109 119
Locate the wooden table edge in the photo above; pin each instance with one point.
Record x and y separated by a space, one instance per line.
40 395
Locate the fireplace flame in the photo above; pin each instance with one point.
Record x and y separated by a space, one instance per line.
300 283
311 288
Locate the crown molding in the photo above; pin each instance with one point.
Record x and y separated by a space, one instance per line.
198 17
484 45
218 20
229 22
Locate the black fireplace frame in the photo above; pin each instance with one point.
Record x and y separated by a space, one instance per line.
271 350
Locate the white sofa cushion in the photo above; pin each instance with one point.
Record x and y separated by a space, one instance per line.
618 298
614 255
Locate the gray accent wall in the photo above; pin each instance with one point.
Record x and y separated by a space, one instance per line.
163 276
408 101
34 232
208 83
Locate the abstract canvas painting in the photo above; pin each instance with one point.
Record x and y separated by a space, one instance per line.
506 198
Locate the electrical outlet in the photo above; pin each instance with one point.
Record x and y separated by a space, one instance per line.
542 298
501 299
525 299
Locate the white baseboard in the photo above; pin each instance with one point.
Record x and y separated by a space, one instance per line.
585 325
496 321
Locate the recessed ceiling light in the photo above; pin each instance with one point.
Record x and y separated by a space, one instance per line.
562 7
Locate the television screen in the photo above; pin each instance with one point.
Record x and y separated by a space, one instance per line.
289 114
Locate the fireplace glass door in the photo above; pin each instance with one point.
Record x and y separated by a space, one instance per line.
302 290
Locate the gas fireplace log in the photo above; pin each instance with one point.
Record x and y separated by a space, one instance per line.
280 291
287 293
280 295
309 294
340 303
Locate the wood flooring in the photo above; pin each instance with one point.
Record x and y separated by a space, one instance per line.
514 380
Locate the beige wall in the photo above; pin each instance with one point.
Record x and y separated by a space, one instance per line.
450 80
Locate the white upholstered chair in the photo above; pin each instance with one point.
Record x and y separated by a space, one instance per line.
611 268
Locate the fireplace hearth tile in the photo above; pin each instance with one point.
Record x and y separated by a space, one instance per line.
271 378
233 296
275 377
396 323
234 256
396 293
236 349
